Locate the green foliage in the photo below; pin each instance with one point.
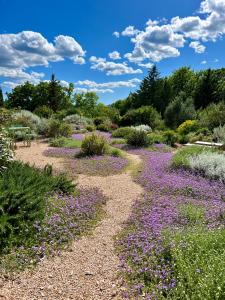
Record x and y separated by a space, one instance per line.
99 120
137 138
5 116
115 152
198 255
179 110
78 121
1 98
213 116
6 153
219 134
65 142
143 115
44 111
90 128
122 132
181 158
170 137
29 96
187 127
94 145
86 103
23 191
155 138
118 141
56 128
28 119
104 127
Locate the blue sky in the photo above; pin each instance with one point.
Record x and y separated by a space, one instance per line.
77 41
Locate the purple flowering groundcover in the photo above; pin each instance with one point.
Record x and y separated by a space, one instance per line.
160 249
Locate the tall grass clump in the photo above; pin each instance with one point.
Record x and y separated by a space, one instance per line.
94 145
138 138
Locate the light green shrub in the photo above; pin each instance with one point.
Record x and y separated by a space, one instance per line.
56 128
94 145
137 138
122 132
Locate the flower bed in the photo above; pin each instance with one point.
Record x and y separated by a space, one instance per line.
98 165
173 233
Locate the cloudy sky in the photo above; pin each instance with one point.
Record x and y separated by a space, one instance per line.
107 46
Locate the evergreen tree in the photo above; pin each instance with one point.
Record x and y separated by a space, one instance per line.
1 98
146 95
206 90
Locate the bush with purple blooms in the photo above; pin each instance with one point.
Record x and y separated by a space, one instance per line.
173 245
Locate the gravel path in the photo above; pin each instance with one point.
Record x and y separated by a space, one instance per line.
89 270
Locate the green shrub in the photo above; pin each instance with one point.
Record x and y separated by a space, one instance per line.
5 116
170 137
219 134
57 142
115 152
122 132
213 116
6 153
180 109
23 192
28 119
98 121
90 128
144 115
181 158
137 138
44 111
94 145
78 122
187 127
103 127
118 141
56 128
155 138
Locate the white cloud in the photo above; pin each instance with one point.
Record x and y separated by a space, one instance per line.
114 55
95 90
130 31
28 48
111 84
157 42
147 65
67 46
112 68
203 62
216 60
209 28
198 47
116 34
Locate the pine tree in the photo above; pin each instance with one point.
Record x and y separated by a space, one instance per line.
1 98
206 90
147 92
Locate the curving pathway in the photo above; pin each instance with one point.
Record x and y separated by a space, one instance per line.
90 269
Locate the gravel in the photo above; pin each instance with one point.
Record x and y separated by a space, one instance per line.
90 269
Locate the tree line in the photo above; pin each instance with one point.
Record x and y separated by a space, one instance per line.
174 98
